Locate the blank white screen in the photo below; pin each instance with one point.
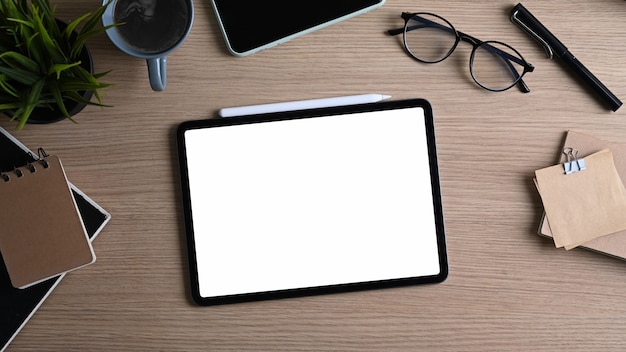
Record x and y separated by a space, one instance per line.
311 202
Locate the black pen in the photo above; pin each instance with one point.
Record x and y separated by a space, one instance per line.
525 20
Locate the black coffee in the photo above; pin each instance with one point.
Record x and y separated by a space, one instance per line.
152 26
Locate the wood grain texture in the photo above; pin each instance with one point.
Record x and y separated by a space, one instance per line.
508 289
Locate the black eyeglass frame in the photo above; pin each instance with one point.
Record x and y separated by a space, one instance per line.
476 43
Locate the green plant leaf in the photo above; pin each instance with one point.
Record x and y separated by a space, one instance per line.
9 106
80 86
21 76
48 43
59 68
22 22
35 92
35 51
89 28
23 114
72 25
79 98
55 90
32 100
45 7
14 59
7 87
101 74
95 18
18 113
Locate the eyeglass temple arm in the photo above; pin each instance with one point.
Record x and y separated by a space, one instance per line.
406 16
395 31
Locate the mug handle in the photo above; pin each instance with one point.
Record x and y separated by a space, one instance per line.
157 72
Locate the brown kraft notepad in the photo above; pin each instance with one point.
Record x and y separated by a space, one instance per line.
586 204
42 233
615 243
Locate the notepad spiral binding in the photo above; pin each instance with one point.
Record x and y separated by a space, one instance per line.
30 167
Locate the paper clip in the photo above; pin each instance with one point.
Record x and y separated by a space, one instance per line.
573 163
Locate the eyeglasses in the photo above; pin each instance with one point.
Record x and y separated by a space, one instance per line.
494 65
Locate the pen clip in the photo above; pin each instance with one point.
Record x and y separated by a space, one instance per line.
548 49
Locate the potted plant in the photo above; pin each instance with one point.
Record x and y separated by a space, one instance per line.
46 72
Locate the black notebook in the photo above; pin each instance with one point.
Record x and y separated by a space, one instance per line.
18 305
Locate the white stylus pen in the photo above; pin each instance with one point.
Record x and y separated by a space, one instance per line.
302 104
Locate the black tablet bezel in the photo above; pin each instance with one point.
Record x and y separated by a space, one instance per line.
305 114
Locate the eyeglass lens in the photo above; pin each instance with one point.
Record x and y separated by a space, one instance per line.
429 38
493 65
496 66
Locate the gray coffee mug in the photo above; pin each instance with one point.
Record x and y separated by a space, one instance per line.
149 29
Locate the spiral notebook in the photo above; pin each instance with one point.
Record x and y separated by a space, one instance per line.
56 241
17 306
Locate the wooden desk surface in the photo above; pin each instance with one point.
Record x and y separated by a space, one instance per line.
508 289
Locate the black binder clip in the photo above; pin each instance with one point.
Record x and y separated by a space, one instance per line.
573 163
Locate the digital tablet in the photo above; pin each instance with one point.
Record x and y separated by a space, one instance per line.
249 26
312 201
